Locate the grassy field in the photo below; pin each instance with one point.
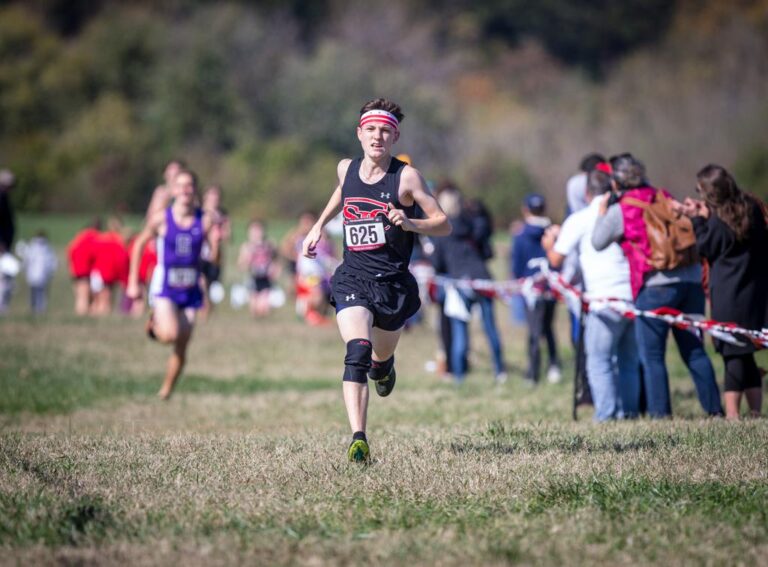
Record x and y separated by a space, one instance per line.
246 463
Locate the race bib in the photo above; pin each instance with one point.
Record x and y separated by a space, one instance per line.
365 235
182 277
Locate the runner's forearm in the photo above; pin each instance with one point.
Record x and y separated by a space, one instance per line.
331 209
136 253
435 226
138 248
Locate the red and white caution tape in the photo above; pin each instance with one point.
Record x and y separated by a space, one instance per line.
531 288
727 332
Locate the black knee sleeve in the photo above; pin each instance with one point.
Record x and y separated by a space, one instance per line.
358 361
380 370
741 373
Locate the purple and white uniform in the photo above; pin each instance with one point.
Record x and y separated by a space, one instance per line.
177 274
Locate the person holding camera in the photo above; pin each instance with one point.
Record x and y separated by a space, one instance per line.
628 216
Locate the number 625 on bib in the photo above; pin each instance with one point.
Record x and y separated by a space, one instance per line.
365 235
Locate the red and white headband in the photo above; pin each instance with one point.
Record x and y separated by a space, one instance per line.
379 116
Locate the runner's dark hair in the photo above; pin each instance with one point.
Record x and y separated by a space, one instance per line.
383 104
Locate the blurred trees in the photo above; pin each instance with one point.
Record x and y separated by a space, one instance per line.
95 96
589 33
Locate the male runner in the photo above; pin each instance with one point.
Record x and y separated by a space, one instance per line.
373 291
175 293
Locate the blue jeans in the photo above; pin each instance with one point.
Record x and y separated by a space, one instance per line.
540 319
517 310
38 299
652 345
613 367
460 335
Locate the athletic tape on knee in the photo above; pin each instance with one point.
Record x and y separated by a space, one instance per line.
380 370
357 362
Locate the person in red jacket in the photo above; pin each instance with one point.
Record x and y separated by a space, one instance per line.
81 253
110 266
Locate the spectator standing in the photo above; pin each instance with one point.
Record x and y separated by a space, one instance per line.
210 268
7 233
111 266
577 199
731 234
290 246
622 220
613 369
81 254
313 282
576 188
443 363
540 312
256 258
40 264
460 256
517 301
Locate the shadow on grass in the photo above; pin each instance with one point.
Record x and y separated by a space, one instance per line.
52 521
57 511
500 440
618 497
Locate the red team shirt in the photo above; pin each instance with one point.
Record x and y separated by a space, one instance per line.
82 253
148 260
112 260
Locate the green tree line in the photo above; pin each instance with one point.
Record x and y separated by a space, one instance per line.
262 97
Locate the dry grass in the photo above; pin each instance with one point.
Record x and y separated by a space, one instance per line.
246 463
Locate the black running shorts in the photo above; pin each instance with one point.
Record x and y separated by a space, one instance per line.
392 301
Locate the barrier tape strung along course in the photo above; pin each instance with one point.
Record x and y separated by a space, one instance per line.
532 287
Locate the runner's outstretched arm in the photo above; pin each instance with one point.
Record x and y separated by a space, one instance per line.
148 233
331 210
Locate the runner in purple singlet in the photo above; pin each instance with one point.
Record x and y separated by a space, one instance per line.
175 294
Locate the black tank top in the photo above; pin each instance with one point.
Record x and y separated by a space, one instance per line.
374 247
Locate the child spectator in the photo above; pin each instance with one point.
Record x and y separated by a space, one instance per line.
40 264
257 255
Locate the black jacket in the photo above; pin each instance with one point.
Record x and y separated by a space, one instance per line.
459 255
738 277
7 228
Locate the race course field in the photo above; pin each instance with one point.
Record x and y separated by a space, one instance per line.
246 462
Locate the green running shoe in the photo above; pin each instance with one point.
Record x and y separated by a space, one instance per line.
385 386
358 451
